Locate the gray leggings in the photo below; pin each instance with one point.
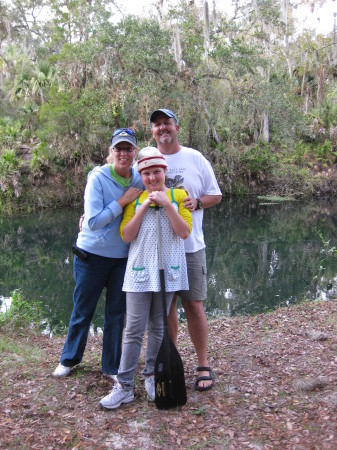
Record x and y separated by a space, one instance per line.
141 308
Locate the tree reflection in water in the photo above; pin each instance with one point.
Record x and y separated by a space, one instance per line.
259 256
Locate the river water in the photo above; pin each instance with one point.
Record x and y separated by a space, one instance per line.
260 256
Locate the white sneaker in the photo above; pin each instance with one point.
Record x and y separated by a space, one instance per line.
62 371
149 387
117 396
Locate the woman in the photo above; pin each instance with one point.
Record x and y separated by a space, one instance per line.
142 281
101 255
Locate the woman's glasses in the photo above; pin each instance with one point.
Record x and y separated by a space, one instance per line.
123 149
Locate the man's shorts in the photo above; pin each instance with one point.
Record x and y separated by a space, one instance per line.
197 272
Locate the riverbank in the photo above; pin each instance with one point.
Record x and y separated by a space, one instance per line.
276 388
242 172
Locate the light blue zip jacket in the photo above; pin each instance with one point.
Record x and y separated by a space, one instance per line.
103 214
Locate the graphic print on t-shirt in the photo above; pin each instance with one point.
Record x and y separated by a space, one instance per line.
174 182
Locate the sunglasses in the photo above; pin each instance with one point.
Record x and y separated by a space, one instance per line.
124 130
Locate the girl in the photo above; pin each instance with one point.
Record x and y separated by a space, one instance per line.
142 282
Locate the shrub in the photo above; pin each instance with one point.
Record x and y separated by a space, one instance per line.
22 314
291 180
323 151
301 150
258 160
40 158
9 175
10 132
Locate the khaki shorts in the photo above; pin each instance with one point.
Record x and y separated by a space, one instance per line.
197 272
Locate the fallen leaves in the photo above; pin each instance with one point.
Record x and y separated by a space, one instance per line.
276 388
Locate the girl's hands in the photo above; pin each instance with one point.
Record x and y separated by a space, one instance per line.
159 198
146 203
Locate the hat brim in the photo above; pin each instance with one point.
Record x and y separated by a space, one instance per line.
166 112
150 166
127 139
151 161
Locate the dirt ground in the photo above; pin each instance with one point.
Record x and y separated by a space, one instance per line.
276 388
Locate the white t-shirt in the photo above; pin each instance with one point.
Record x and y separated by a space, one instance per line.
190 169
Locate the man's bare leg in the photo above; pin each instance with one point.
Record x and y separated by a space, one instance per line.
198 329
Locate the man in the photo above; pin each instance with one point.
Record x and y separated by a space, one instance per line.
188 168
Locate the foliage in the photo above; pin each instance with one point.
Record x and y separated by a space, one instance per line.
258 160
40 158
8 162
293 180
82 117
310 153
300 153
10 132
82 72
22 314
322 152
9 175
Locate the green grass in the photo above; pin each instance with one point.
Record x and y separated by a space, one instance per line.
14 352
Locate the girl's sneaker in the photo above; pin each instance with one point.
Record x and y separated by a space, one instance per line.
117 396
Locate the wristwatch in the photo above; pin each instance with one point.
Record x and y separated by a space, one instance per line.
199 203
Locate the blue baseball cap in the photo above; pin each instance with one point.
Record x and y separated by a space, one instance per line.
167 113
124 135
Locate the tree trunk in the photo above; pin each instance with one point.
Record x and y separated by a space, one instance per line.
206 29
303 83
320 84
265 127
177 49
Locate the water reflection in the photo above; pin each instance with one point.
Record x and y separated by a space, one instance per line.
259 256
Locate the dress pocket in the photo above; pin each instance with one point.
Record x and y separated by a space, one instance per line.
174 273
140 274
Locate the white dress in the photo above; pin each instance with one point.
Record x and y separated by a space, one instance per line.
142 271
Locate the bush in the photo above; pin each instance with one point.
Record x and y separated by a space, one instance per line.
258 160
291 180
301 151
323 151
9 176
8 162
76 125
22 314
10 132
40 158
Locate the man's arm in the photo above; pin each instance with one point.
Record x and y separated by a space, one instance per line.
207 201
210 200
